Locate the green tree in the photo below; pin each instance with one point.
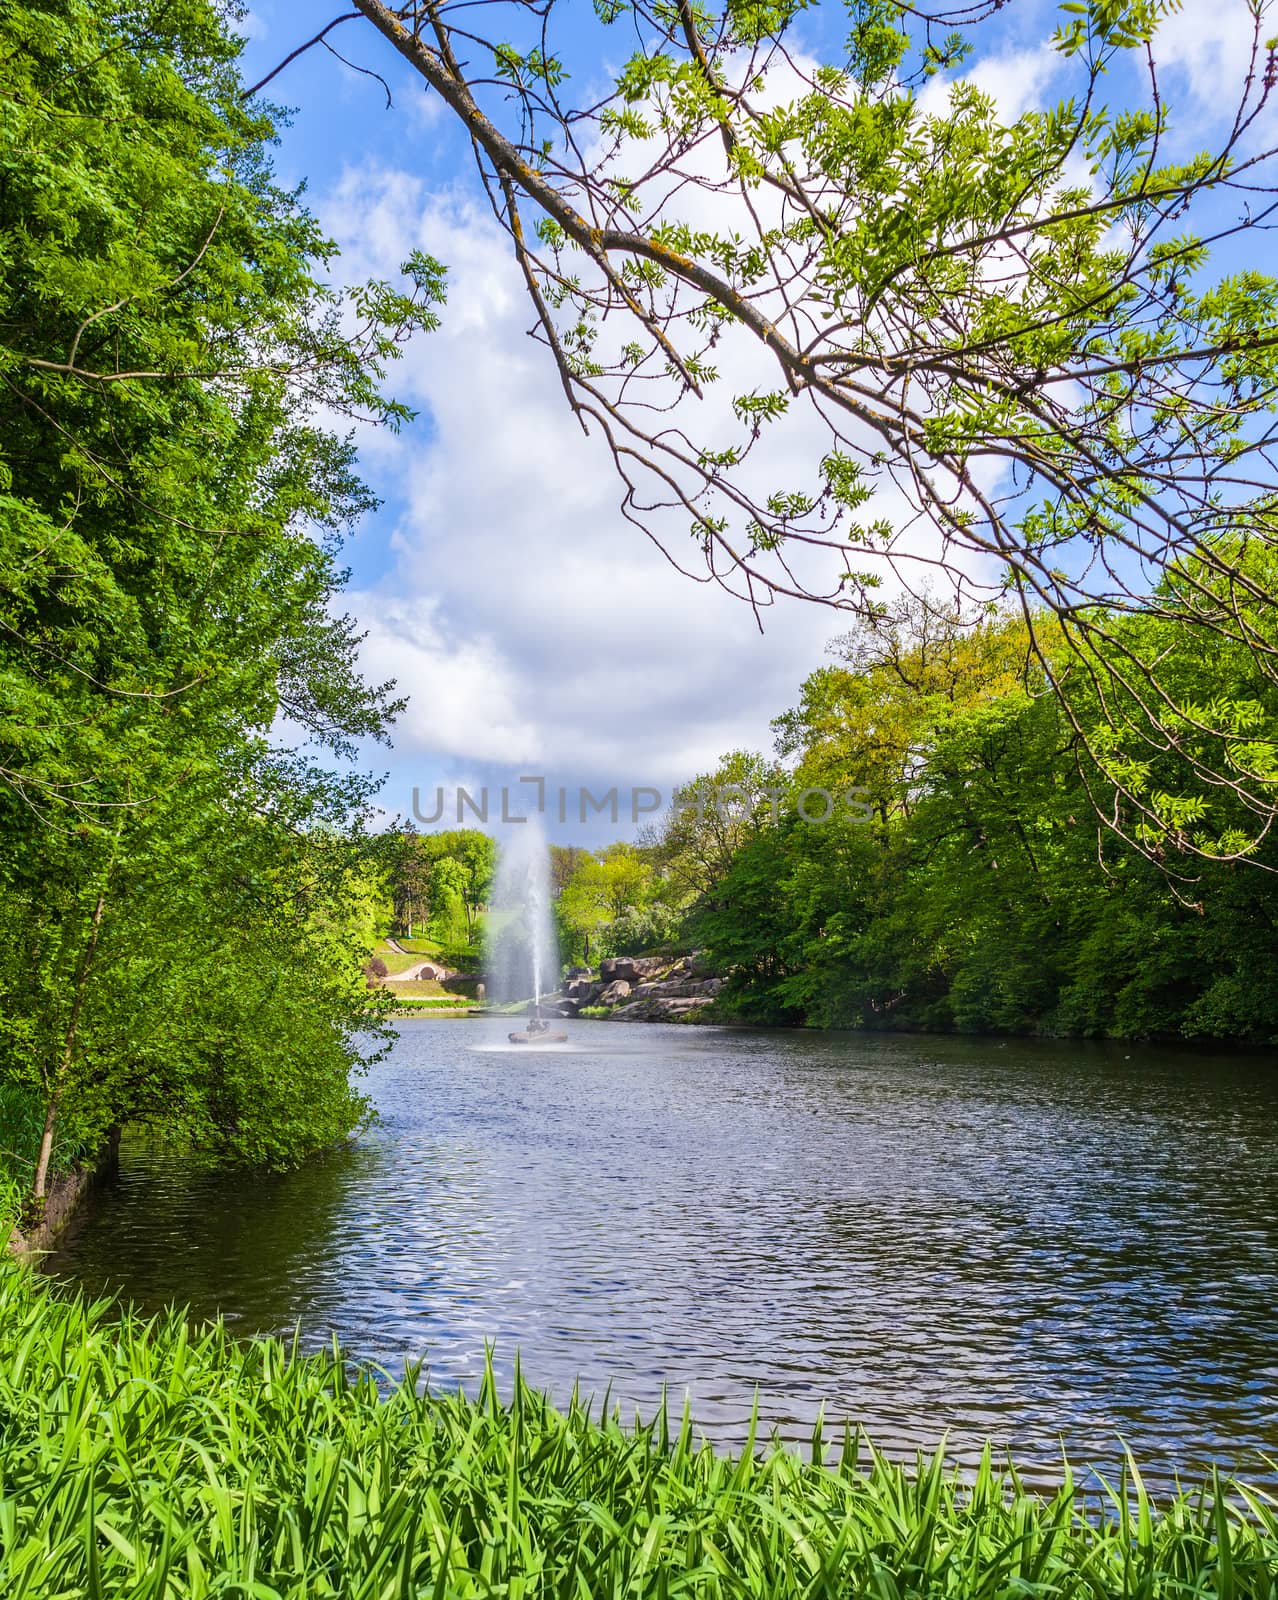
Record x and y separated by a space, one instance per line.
601 907
1029 355
713 816
170 513
462 864
984 895
408 879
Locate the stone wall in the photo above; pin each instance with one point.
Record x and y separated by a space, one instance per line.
67 1193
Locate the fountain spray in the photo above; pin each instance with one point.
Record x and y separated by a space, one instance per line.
523 958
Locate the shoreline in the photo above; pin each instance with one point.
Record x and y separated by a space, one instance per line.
68 1194
1211 1046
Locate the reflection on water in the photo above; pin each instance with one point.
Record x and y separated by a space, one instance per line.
1034 1243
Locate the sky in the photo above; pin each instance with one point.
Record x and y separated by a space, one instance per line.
536 633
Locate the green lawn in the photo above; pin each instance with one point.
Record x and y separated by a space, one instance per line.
456 1002
421 947
421 986
395 960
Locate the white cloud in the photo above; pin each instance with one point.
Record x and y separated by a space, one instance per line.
252 25
1211 42
462 691
1016 81
525 617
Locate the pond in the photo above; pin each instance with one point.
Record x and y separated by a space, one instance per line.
1047 1245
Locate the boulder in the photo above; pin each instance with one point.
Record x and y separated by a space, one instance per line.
631 969
692 966
615 993
583 990
680 989
659 1009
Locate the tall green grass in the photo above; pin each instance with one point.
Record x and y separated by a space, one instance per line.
21 1124
21 1127
140 1460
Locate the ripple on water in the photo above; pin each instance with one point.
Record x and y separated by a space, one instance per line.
1041 1244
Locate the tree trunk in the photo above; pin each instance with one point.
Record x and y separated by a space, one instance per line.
40 1183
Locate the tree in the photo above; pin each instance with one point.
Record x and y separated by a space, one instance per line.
786 918
604 891
181 902
897 682
713 816
408 875
982 895
1029 355
564 861
448 923
462 863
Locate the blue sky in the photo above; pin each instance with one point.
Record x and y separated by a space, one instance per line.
536 632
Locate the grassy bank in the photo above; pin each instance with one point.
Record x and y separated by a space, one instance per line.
21 1124
138 1460
445 1003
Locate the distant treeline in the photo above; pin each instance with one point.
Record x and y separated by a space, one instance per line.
995 860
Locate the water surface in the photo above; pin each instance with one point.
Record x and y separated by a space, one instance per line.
1039 1244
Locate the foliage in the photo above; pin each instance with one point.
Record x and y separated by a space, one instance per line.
712 817
970 887
615 901
845 324
602 888
440 882
564 861
21 1124
141 1459
183 906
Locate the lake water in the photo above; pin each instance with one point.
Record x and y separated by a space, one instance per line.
1039 1244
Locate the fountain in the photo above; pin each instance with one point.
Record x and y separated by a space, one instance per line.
522 955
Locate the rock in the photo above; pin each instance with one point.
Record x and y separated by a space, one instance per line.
615 993
584 991
566 1008
692 966
659 1009
578 972
632 969
679 988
